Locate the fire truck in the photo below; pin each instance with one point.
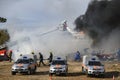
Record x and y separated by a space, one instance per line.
3 53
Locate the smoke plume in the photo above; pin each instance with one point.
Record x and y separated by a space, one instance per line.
61 43
102 23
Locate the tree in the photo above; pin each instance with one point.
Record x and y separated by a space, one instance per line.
4 36
2 20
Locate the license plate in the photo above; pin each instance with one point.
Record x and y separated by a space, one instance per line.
96 73
57 72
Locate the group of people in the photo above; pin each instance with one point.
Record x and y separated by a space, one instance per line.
41 58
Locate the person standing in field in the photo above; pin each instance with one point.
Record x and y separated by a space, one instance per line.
10 55
50 57
40 59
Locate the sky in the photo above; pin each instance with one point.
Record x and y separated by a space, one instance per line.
28 19
28 12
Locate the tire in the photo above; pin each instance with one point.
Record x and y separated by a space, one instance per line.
102 75
29 72
83 70
34 70
86 71
50 74
88 75
65 74
13 73
67 69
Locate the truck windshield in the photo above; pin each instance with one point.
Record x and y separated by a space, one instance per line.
58 62
94 63
25 61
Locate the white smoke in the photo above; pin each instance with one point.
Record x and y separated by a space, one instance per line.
28 20
24 41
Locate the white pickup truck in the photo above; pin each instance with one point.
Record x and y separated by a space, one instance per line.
91 65
24 65
58 66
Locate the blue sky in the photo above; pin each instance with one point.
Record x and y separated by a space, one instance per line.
42 12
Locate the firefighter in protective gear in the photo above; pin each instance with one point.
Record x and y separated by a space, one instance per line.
77 56
50 57
40 59
10 55
34 57
32 53
20 55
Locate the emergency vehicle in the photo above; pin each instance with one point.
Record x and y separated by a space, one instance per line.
3 53
91 65
24 65
58 66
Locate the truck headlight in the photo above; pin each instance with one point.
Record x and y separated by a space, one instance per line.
13 67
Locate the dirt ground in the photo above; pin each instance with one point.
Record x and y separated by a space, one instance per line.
74 72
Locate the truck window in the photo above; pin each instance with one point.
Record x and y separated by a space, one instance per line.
94 63
22 61
58 62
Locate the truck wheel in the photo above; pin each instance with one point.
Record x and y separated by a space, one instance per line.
13 73
50 74
65 74
82 70
102 75
35 68
87 73
29 72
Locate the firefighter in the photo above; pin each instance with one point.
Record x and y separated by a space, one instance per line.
64 25
20 55
34 57
10 55
32 53
40 59
50 57
77 56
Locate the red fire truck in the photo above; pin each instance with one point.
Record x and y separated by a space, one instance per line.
3 53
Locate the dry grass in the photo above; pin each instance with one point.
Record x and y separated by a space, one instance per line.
112 68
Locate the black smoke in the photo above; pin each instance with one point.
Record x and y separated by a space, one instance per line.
100 19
